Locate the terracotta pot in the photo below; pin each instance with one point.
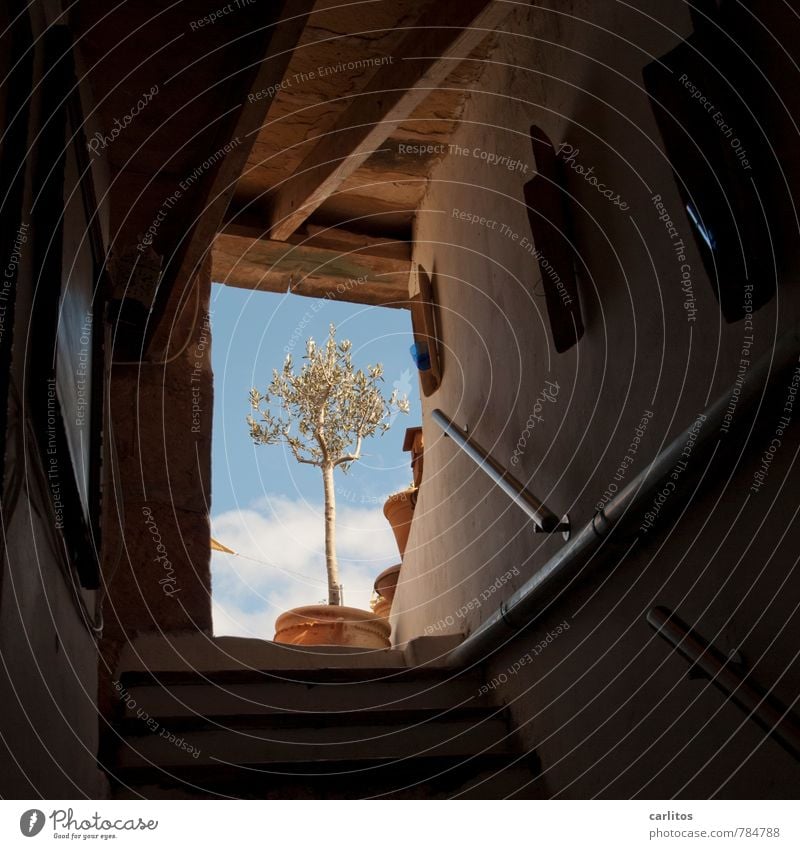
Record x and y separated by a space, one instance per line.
415 443
386 582
332 625
399 510
382 607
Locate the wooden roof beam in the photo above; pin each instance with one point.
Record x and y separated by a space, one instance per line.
322 263
261 74
444 32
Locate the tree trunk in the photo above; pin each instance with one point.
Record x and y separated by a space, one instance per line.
334 591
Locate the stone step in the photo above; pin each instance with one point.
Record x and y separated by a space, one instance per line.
301 692
197 652
230 718
283 739
512 780
488 777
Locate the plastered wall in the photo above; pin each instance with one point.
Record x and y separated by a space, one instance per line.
607 704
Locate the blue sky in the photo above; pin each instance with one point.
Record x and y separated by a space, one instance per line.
265 505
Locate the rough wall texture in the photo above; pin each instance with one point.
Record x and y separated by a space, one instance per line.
158 474
580 79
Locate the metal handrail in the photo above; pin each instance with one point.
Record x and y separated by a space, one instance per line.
776 719
542 517
527 602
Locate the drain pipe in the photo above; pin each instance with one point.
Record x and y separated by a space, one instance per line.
522 606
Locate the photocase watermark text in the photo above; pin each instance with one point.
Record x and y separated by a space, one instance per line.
169 203
82 372
719 119
490 157
626 462
472 604
679 249
525 659
52 469
570 155
196 379
548 394
222 12
169 583
784 421
100 141
674 476
319 73
745 359
153 724
317 305
10 274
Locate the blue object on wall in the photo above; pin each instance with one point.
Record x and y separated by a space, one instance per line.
421 356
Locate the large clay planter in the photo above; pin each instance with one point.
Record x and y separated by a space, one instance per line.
386 582
385 587
332 625
399 510
415 443
382 607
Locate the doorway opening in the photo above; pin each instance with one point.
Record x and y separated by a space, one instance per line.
268 509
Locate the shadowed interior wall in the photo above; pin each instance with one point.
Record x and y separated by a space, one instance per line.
48 652
158 474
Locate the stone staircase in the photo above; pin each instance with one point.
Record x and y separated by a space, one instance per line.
246 719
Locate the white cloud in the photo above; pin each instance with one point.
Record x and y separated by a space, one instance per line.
288 535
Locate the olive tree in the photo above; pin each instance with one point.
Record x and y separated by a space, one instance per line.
324 413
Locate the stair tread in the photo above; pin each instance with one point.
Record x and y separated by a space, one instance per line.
420 778
134 726
198 651
493 777
269 744
332 676
257 698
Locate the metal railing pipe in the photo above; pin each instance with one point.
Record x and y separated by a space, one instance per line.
524 604
543 518
776 719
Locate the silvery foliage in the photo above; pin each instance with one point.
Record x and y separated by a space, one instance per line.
326 410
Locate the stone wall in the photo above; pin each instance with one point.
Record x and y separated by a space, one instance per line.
158 475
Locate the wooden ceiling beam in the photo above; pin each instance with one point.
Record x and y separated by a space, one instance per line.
322 263
256 87
444 32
